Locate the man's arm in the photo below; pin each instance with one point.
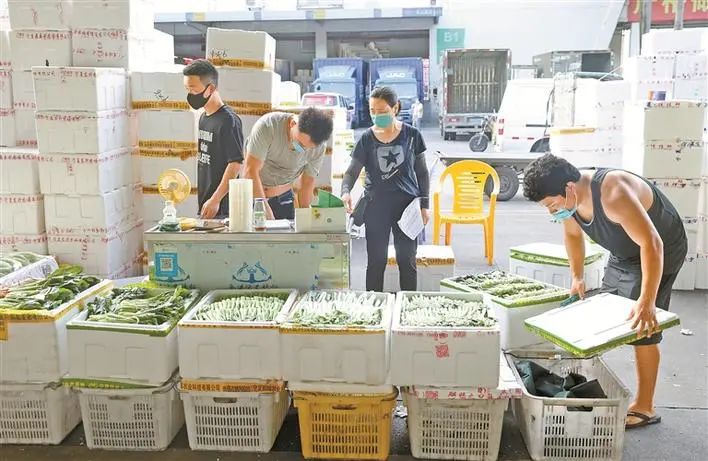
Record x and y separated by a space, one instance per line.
575 247
211 207
306 192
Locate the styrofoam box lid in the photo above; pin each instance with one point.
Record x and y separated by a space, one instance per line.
553 251
593 325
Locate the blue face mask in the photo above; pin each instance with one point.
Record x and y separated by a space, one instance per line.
298 147
561 215
382 120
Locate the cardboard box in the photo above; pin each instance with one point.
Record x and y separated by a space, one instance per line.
240 48
82 132
249 91
7 127
40 15
434 263
122 48
691 66
153 162
668 159
645 68
40 48
36 243
80 88
19 172
660 120
136 15
86 174
168 129
5 89
21 214
682 193
94 214
159 90
320 220
23 90
25 128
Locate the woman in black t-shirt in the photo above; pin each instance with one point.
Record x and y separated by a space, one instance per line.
393 154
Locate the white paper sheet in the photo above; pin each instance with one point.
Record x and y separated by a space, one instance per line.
277 224
411 222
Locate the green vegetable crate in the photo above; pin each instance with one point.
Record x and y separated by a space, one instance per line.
234 335
19 266
514 299
127 338
444 339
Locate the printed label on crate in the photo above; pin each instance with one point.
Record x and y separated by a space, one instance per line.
151 190
166 144
478 393
81 383
218 58
3 329
43 35
250 108
182 154
160 104
231 386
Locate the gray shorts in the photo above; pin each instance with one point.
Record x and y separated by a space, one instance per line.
628 284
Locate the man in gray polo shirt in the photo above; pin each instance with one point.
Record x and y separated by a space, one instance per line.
283 147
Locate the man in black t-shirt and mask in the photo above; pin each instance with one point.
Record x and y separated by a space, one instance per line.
220 151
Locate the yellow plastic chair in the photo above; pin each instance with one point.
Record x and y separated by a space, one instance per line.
468 179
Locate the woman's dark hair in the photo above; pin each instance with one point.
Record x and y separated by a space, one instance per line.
389 95
547 176
316 123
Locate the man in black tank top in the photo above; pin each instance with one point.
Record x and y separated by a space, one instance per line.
644 234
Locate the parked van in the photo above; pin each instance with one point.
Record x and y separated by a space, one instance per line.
521 122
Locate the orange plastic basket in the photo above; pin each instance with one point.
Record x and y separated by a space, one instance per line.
345 426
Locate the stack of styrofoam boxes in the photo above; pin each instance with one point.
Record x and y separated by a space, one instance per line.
434 263
647 73
304 79
247 82
289 94
241 372
167 137
664 143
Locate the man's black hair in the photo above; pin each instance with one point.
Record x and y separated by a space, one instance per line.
389 95
203 69
547 176
316 123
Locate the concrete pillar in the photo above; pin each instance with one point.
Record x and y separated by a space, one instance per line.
320 42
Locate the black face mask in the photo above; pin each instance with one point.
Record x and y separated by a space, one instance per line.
197 101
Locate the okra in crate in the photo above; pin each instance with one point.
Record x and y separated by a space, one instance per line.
233 335
128 336
514 299
337 336
33 319
444 339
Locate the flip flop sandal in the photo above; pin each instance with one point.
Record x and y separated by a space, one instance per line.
645 420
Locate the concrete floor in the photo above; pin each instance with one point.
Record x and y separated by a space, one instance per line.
681 396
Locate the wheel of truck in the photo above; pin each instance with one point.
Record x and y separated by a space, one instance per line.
542 145
447 135
508 183
453 136
479 142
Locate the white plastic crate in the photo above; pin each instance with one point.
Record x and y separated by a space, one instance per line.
37 414
231 350
136 354
553 432
434 263
40 48
337 354
33 344
443 356
234 421
80 88
684 194
36 243
131 419
21 214
82 132
19 172
85 174
548 262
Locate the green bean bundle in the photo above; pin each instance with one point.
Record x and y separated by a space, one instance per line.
441 311
242 309
345 308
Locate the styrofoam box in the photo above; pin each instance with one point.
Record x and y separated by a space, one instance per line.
434 263
231 350
7 127
443 356
686 279
25 127
646 68
23 90
161 128
79 88
101 254
159 90
238 86
86 174
356 356
153 162
36 270
117 14
639 90
702 234
682 193
37 413
5 48
21 214
122 48
82 132
69 214
40 48
37 351
603 158
19 170
691 225
668 41
5 89
690 66
658 120
702 271
240 48
36 243
42 15
247 122
664 159
703 197
289 93
153 204
691 89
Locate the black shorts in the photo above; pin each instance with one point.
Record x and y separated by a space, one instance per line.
628 284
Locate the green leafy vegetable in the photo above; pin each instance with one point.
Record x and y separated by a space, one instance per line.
59 287
259 308
140 305
441 311
343 308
